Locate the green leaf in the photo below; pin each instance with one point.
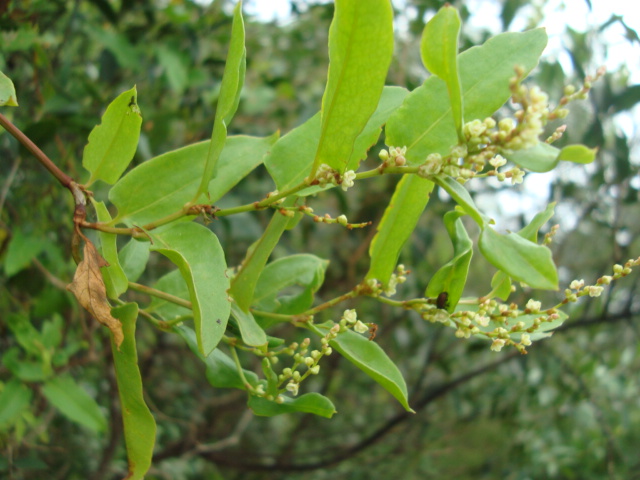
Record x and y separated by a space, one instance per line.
25 370
113 143
52 332
530 232
439 49
165 183
360 51
14 399
544 157
452 276
198 255
390 101
221 370
519 258
501 282
8 95
578 154
74 402
252 334
398 222
371 359
114 277
26 334
424 123
244 283
291 158
175 68
304 270
139 424
501 285
22 249
462 198
232 82
174 284
308 403
118 44
133 258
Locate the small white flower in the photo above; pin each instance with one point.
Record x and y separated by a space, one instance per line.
595 291
429 168
325 174
315 370
489 122
525 339
474 128
505 125
576 284
459 151
360 327
482 320
350 315
498 161
391 286
517 176
533 305
293 388
497 344
348 179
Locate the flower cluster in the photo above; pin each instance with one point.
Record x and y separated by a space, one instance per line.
292 375
303 359
395 156
399 277
508 325
484 140
327 175
577 288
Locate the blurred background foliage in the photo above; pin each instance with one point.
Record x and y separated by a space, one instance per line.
570 409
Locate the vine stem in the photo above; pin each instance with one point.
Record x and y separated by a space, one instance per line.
189 209
236 360
330 303
62 177
160 294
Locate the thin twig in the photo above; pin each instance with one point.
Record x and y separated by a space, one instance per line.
55 281
8 182
62 177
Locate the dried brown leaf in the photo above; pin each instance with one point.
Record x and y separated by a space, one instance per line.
88 287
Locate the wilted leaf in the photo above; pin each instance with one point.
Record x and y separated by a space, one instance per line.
88 287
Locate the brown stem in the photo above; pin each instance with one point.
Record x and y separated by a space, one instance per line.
62 177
